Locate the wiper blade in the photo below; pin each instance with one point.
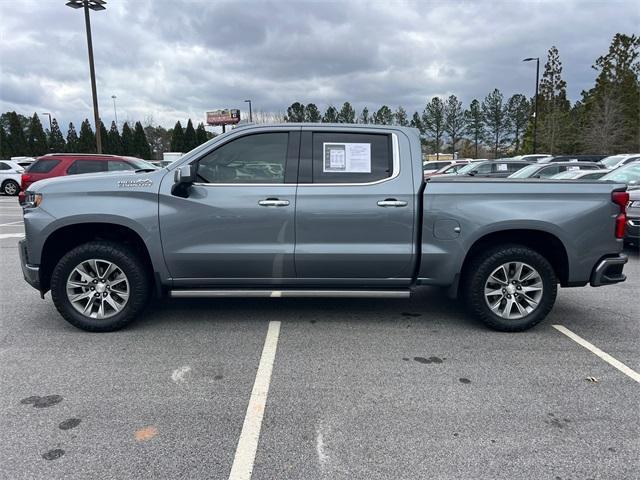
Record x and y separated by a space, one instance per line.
142 170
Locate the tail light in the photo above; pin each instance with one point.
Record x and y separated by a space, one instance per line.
621 199
26 178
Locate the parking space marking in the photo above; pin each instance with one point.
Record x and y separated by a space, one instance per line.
603 355
10 224
11 235
244 459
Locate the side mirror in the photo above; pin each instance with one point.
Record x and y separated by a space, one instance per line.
183 179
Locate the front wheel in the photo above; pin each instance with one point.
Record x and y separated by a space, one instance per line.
510 288
100 286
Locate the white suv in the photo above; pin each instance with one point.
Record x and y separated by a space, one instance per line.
10 177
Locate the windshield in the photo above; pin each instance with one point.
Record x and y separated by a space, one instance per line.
469 168
612 161
141 164
568 174
629 174
526 172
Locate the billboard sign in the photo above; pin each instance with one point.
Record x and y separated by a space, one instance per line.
223 117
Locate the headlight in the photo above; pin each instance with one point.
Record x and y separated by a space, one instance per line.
634 203
32 200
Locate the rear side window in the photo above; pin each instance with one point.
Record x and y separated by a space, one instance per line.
43 166
87 166
514 167
351 157
4 166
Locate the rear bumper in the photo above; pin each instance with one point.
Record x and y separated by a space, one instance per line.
609 271
31 273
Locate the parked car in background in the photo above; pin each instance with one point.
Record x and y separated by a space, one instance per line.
61 164
23 161
435 165
629 174
580 174
10 176
534 157
449 169
615 161
574 158
632 234
493 168
545 170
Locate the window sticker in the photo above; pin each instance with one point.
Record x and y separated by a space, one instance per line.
502 167
346 158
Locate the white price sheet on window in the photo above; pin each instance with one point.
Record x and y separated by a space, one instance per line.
346 158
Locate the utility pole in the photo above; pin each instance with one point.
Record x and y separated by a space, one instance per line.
250 115
535 114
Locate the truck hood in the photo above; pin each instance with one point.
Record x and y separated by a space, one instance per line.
101 181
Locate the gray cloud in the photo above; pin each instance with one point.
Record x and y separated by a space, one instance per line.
171 60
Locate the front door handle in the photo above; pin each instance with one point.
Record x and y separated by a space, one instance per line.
392 202
273 202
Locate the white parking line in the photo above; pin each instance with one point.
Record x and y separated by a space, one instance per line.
603 355
11 224
242 467
11 235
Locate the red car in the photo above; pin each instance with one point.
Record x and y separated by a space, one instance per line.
61 164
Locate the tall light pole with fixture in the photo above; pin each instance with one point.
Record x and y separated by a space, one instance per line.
115 112
250 115
535 115
95 5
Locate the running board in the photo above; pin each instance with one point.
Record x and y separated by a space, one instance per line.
291 293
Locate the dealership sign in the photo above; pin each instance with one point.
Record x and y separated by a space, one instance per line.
223 117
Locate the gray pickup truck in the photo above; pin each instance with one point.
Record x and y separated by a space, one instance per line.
316 210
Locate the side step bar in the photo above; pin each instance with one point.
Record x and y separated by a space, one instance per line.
291 293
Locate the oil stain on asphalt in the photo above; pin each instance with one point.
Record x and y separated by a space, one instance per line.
42 402
69 423
53 454
428 360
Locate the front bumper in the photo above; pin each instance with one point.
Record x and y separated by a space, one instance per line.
609 271
633 229
31 273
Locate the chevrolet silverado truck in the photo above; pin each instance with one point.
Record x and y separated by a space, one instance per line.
316 210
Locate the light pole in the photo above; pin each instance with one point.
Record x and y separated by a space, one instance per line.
535 115
115 112
48 115
95 5
250 115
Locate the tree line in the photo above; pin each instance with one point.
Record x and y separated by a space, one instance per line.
606 120
25 136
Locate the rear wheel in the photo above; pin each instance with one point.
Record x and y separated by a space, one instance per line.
510 288
11 187
100 286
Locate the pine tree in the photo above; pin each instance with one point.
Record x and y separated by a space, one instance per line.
553 106
56 140
112 140
496 121
312 114
330 115
384 116
295 113
36 139
201 134
364 116
127 140
190 141
347 114
140 143
519 110
433 122
475 124
3 142
72 139
416 122
16 141
103 135
401 118
454 120
87 139
177 138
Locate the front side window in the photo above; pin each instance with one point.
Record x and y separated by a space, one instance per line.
87 166
549 171
351 157
258 158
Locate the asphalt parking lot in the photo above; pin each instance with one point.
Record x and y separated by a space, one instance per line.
386 389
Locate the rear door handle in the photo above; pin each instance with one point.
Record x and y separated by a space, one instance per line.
273 202
392 202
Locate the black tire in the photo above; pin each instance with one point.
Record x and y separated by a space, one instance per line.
11 187
123 257
481 267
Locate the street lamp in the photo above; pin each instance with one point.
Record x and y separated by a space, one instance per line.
535 115
95 5
250 115
115 112
48 115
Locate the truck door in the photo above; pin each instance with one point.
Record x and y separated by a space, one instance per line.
237 224
355 209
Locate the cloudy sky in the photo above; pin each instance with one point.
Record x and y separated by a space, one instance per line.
168 60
